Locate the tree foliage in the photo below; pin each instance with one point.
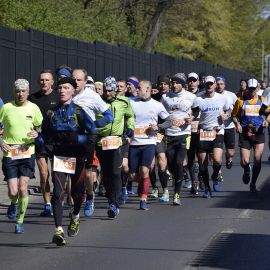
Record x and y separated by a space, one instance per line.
223 32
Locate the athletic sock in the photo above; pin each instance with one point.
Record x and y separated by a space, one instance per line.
23 203
216 169
255 173
163 177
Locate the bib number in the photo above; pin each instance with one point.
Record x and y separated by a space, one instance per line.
252 110
141 132
176 123
207 135
194 126
19 152
64 164
110 143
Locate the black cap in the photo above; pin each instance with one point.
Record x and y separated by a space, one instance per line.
67 80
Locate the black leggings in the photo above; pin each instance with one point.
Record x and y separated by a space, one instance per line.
111 163
176 153
191 154
77 190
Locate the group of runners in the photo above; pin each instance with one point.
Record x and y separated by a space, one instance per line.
130 131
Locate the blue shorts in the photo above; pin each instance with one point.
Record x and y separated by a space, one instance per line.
140 155
19 167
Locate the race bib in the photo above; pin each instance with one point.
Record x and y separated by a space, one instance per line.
252 110
110 143
64 164
207 135
141 132
159 137
19 151
176 123
194 126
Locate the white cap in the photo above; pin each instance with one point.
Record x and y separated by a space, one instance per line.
209 79
193 75
90 79
252 83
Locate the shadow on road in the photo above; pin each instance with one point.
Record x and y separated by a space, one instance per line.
235 251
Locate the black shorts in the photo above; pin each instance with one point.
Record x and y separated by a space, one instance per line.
208 146
41 151
247 142
160 148
229 138
18 167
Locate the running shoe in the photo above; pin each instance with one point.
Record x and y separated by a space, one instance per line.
124 195
207 194
12 211
130 191
165 196
47 212
113 211
217 186
154 193
73 227
253 188
229 163
89 208
19 228
187 183
246 175
176 199
143 205
59 238
194 190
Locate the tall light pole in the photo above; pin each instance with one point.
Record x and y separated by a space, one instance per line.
262 61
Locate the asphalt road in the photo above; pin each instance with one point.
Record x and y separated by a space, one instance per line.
229 231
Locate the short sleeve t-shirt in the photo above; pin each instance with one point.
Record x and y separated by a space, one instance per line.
231 99
18 121
211 108
146 113
90 102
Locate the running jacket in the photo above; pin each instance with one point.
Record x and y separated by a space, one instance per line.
123 117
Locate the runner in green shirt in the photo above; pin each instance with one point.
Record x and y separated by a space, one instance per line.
20 119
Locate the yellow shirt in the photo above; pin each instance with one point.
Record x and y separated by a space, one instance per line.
18 121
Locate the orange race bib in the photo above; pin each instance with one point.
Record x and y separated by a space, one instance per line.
64 164
141 132
110 143
176 123
207 135
19 151
252 110
194 126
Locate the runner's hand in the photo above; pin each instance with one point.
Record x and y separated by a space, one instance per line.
32 134
223 117
5 148
239 128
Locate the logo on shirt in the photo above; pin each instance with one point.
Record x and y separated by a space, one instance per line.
29 117
210 109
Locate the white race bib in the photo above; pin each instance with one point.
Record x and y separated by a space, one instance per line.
252 110
64 164
207 135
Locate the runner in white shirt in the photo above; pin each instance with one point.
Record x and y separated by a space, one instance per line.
143 143
229 127
213 107
178 103
91 103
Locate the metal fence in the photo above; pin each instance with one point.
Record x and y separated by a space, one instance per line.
25 53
